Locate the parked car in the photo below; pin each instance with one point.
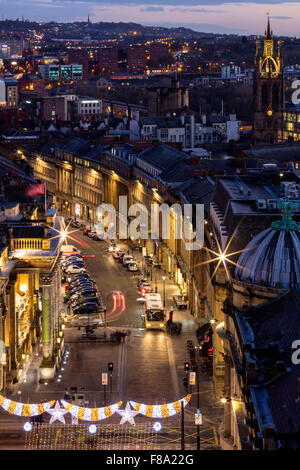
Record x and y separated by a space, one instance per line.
145 288
127 259
85 300
91 233
81 285
96 237
83 293
78 282
121 258
68 250
75 269
80 276
75 223
86 231
132 267
73 263
112 247
117 254
72 258
86 308
141 282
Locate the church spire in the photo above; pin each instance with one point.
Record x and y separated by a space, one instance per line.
269 40
269 33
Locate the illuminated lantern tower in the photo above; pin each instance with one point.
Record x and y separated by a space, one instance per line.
268 93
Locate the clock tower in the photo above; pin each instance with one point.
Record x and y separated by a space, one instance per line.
268 93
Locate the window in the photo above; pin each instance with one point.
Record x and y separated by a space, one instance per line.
164 133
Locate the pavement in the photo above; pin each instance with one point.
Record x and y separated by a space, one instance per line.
148 367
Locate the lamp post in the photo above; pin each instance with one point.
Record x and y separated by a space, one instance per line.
164 287
151 256
198 401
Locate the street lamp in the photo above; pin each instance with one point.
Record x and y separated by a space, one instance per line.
164 286
151 256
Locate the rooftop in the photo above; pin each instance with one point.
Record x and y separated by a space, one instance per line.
278 322
162 156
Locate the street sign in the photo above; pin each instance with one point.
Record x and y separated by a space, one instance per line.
198 419
192 378
104 378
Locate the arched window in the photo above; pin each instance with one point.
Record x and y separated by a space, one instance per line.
275 96
264 96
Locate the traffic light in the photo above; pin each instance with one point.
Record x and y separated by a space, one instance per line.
186 366
185 382
110 366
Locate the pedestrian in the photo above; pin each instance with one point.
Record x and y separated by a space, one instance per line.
128 334
171 315
118 336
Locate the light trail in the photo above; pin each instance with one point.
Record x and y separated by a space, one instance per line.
64 234
114 307
85 243
123 307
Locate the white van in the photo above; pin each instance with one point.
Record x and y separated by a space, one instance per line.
68 250
127 259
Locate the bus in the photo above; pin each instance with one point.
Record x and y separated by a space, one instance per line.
155 317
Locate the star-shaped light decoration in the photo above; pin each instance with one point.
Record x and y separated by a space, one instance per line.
222 256
57 413
64 233
74 421
127 415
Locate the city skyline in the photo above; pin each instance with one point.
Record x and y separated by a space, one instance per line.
216 16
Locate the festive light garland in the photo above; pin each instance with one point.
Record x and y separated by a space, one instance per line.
91 414
24 409
160 411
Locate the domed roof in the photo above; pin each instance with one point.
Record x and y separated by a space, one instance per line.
273 256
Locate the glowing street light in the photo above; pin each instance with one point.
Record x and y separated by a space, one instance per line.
27 426
92 429
221 256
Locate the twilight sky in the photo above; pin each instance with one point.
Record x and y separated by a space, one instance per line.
223 16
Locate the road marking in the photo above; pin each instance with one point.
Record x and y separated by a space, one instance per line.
215 435
172 365
121 368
